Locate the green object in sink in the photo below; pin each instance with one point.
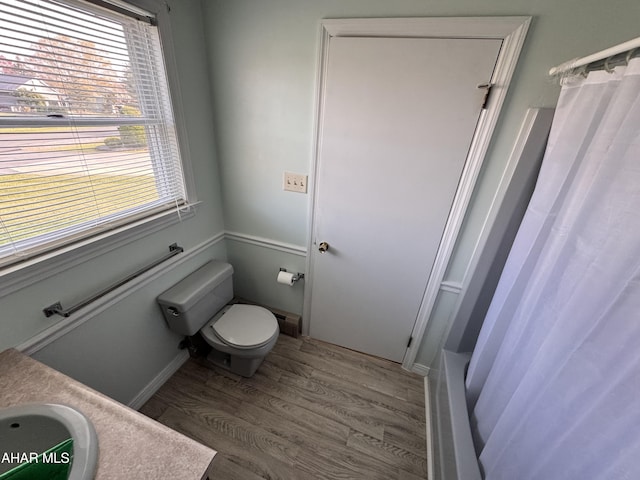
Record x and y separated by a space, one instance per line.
42 468
46 441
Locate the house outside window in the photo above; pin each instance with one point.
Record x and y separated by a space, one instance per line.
25 94
88 140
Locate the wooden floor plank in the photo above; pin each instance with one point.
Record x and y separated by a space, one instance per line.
317 402
282 410
390 371
412 439
368 409
390 453
404 409
350 372
220 419
235 450
416 395
404 475
225 467
323 401
311 411
154 407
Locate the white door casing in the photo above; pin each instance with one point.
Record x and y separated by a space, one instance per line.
507 32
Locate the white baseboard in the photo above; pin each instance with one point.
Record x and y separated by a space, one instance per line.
430 450
420 369
152 387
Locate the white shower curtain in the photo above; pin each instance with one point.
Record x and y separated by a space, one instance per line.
554 381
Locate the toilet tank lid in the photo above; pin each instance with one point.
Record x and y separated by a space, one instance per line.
188 291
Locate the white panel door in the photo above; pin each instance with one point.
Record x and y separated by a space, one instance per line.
398 116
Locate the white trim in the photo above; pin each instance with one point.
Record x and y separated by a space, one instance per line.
420 369
512 31
154 385
518 172
534 119
505 66
267 243
451 287
601 55
20 275
321 67
429 428
64 326
425 27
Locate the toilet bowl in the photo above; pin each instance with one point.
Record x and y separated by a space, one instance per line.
240 336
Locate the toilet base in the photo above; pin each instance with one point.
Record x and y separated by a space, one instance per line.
243 366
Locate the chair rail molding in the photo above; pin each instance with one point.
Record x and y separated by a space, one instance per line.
67 324
267 243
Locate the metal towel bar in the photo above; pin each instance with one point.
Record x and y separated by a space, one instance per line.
56 308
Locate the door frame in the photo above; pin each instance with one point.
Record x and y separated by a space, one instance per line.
512 31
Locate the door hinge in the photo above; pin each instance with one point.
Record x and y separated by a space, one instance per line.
409 342
487 87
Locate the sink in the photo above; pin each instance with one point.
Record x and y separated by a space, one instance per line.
51 437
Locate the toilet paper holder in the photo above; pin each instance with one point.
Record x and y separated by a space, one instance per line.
296 276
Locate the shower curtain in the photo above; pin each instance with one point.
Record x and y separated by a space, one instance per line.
554 381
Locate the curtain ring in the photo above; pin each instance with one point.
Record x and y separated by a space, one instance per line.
630 54
583 71
607 68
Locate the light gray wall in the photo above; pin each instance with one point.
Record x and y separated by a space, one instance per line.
257 267
121 350
263 60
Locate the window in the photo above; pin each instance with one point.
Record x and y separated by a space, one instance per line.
87 136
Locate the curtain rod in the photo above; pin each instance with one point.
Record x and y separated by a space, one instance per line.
609 52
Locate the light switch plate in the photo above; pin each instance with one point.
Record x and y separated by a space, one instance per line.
294 182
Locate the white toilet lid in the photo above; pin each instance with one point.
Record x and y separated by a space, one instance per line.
246 326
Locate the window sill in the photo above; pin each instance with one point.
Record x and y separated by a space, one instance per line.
33 270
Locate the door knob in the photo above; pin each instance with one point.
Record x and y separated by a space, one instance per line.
323 247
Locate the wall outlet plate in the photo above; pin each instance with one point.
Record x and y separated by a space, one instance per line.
294 182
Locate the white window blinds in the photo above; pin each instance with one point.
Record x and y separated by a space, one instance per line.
87 136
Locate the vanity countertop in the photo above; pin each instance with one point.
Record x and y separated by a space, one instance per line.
130 444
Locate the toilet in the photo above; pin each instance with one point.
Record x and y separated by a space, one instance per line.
240 336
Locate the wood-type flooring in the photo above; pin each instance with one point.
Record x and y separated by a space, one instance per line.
311 411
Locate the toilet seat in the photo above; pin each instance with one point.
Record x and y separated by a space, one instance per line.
244 326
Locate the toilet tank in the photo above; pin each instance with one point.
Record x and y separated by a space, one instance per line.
190 303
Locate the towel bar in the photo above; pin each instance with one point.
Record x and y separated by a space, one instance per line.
56 308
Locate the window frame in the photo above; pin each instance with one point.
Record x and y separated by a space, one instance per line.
21 274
